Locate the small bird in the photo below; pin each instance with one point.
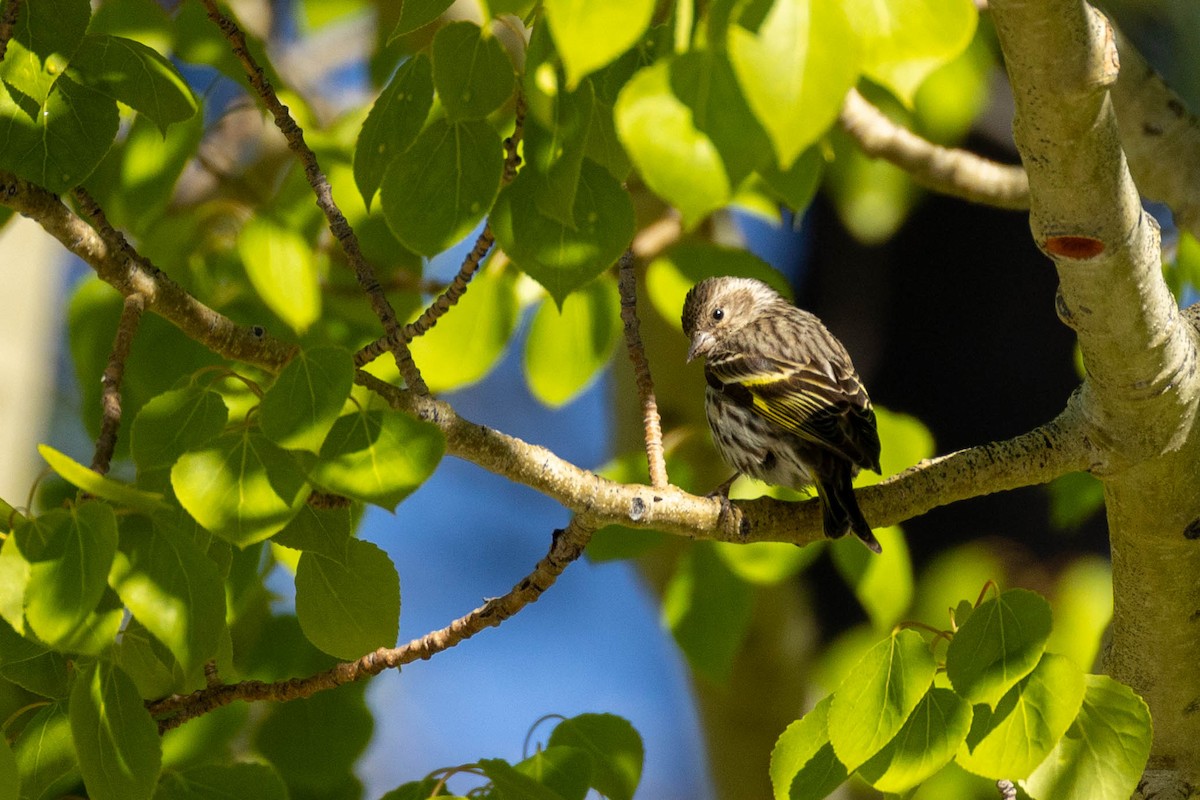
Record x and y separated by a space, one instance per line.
783 400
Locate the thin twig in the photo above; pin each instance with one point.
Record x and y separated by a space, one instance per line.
110 382
1007 790
8 24
954 172
565 547
320 185
651 422
458 287
429 318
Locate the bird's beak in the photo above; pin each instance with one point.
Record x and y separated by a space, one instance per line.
702 342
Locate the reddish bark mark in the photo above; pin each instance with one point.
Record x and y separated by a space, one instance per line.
1074 246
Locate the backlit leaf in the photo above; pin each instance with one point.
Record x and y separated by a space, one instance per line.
929 739
795 69
1027 722
135 75
589 34
282 269
174 422
999 644
803 764
94 483
615 747
566 348
240 486
876 698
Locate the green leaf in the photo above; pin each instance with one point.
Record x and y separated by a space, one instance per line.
31 665
135 181
554 149
873 702
173 589
929 739
472 72
795 70
437 191
905 441
120 753
882 583
14 578
314 742
1083 608
281 267
352 608
1103 753
803 764
58 141
94 483
615 747
135 75
766 563
511 784
417 14
300 408
567 348
589 34
560 258
468 340
173 423
905 40
378 457
10 779
1027 722
45 753
69 554
673 273
565 770
393 123
998 645
222 782
323 531
797 185
872 196
240 486
150 665
708 611
687 127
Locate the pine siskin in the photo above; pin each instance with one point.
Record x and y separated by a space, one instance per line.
783 400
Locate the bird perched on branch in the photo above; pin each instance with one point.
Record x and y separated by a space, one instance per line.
783 400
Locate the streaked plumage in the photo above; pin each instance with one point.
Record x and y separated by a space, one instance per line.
783 400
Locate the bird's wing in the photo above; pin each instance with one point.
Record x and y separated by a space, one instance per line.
816 401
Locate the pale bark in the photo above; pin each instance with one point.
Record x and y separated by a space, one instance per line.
1141 391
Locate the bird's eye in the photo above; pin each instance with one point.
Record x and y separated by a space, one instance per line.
718 314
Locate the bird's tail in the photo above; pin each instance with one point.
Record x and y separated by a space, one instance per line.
842 513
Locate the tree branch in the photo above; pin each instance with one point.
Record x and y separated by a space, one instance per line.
110 398
8 24
1056 448
320 185
651 423
1142 392
953 172
1160 136
566 546
120 266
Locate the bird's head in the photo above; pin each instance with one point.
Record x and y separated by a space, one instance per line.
716 308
